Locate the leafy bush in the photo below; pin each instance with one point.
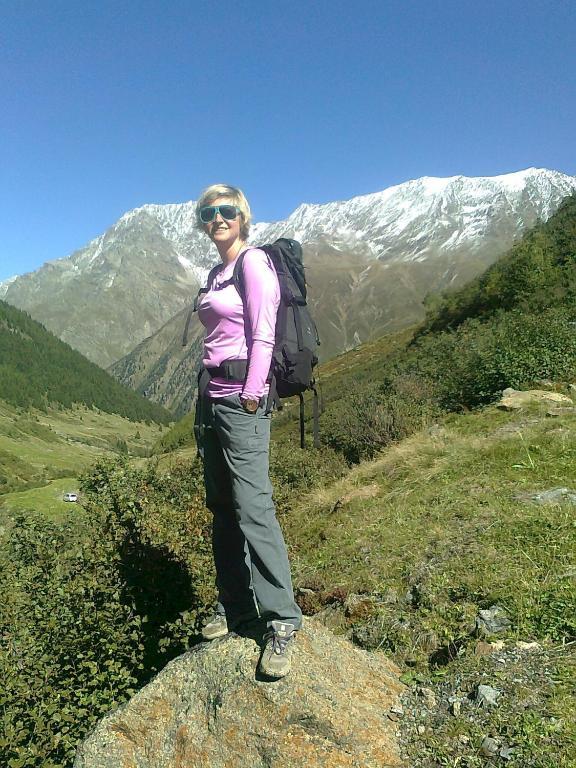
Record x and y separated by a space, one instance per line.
295 471
162 530
91 610
373 416
72 648
472 365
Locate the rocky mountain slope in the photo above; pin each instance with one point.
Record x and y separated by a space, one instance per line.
371 260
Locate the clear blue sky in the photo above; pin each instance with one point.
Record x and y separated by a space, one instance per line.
110 104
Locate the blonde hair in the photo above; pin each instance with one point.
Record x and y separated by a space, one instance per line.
236 197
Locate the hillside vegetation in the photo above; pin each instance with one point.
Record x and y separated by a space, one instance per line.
422 509
471 346
43 452
38 370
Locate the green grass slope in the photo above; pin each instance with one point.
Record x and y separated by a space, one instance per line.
43 452
400 553
406 550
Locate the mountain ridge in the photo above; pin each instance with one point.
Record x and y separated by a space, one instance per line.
123 286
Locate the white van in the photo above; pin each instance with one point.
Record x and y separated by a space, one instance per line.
70 497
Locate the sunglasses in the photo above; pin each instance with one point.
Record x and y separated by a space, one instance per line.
208 213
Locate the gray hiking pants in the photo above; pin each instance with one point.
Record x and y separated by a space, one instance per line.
252 569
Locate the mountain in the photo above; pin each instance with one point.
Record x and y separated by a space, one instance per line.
38 370
447 232
371 260
121 287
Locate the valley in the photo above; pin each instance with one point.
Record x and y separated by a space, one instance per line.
42 453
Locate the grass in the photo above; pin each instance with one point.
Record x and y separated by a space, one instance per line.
41 453
48 499
437 528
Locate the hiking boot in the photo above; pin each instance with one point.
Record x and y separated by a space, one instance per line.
217 626
276 659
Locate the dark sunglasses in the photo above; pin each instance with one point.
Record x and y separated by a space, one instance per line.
208 213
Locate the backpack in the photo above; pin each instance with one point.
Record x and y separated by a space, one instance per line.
296 340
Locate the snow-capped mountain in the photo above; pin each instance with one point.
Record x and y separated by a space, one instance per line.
417 219
370 259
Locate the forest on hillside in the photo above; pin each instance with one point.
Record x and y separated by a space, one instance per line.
38 370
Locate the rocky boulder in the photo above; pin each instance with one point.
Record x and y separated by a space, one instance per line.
514 399
210 709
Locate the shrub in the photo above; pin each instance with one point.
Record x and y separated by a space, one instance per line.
72 648
373 416
91 610
294 470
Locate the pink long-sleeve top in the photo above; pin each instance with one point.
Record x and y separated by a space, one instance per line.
232 336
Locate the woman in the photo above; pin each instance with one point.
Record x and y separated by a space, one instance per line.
252 570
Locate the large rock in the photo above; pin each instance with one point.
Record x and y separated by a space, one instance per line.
513 399
209 709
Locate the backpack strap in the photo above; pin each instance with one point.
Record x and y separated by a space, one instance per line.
187 326
238 276
316 418
194 308
302 440
273 401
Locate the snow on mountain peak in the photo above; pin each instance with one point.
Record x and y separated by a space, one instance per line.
5 284
399 220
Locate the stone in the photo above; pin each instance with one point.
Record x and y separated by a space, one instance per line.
506 753
210 709
486 696
492 620
332 617
522 646
396 712
560 412
483 648
489 747
428 696
513 400
553 496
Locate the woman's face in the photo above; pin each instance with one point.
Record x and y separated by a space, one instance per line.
223 231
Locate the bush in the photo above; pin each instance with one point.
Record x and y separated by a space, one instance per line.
92 610
72 647
472 365
373 416
295 471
